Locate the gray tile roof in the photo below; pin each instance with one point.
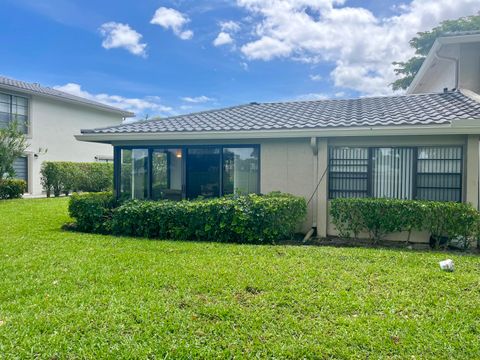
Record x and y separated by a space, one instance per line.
37 89
423 109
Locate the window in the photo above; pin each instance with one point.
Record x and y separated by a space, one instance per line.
348 172
203 172
167 174
427 173
176 173
13 108
240 170
392 173
439 173
134 174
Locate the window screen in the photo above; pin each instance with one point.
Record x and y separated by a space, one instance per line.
348 175
425 173
439 173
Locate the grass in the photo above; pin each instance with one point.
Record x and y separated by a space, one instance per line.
71 295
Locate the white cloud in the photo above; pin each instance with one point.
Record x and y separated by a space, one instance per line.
197 99
229 26
172 19
316 77
117 35
149 104
223 38
266 48
359 44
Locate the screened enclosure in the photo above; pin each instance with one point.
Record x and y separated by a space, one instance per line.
186 172
424 173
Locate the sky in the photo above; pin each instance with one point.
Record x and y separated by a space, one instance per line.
163 58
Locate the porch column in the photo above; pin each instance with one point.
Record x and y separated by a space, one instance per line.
322 192
471 170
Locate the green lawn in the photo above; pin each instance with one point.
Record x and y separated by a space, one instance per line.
70 295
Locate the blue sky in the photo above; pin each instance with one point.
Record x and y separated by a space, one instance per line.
168 57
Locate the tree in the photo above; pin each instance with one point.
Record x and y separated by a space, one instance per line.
13 144
423 42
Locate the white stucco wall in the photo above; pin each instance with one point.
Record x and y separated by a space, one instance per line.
53 126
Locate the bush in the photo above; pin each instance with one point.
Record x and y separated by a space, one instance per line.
64 177
246 219
12 188
380 217
92 212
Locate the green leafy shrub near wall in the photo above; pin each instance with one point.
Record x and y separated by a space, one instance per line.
93 211
64 177
246 219
12 188
379 217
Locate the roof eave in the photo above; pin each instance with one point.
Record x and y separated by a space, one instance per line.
437 45
442 129
126 114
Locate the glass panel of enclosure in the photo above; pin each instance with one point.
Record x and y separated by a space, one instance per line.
191 172
14 108
203 172
134 174
240 170
167 174
427 173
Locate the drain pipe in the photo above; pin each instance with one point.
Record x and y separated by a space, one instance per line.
314 147
455 61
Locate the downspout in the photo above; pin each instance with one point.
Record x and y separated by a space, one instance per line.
314 147
455 61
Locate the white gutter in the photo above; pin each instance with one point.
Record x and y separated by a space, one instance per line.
458 127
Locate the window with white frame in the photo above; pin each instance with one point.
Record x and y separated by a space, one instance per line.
426 173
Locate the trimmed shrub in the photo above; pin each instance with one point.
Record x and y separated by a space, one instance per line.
64 177
12 188
379 217
246 219
92 212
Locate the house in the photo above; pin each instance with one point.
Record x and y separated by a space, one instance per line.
414 146
50 118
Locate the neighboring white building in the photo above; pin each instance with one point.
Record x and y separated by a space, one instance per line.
452 63
51 118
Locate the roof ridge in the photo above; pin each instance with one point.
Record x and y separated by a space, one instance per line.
150 121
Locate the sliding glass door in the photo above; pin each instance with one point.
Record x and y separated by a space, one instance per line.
134 174
203 172
167 174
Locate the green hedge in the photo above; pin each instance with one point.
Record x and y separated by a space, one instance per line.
93 211
12 188
246 219
379 217
64 177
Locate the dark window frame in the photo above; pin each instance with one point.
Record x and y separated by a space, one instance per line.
415 187
117 166
11 115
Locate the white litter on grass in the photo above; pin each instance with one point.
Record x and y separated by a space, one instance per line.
447 265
